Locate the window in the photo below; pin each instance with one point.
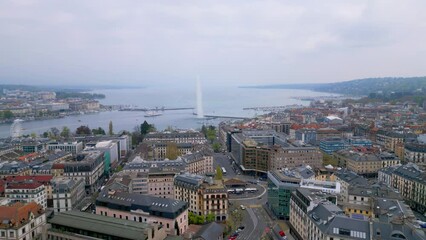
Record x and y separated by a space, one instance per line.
2 233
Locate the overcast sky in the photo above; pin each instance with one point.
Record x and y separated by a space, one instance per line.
224 42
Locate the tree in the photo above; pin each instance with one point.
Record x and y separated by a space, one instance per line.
33 135
210 218
83 130
7 114
192 218
219 173
145 126
98 131
45 134
110 129
65 132
216 147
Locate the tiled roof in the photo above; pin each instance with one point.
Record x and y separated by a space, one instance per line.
18 214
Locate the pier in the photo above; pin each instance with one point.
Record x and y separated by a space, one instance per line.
226 117
131 109
273 108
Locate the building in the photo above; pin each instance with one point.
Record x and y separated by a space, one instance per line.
67 193
302 201
111 150
73 147
203 194
258 151
327 221
43 179
162 150
14 169
200 162
280 187
74 225
415 152
171 214
176 137
411 183
22 221
210 231
390 140
26 192
331 145
89 166
347 178
294 156
365 161
306 135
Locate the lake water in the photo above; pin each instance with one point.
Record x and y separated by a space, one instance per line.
228 101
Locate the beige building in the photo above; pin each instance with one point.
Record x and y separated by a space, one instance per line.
365 162
204 195
22 221
169 213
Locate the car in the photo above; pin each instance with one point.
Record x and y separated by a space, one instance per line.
232 238
235 234
259 198
243 207
241 227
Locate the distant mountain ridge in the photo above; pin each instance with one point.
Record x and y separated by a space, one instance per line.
359 86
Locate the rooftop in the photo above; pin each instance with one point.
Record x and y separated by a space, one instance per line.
119 228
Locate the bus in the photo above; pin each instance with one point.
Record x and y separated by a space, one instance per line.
223 171
251 190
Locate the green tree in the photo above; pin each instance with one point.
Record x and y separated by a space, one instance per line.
210 218
46 134
219 173
7 114
83 130
145 126
216 147
98 131
110 129
65 132
33 135
192 218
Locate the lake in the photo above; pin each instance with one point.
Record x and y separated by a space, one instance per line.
228 101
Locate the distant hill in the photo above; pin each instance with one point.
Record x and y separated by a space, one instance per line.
361 86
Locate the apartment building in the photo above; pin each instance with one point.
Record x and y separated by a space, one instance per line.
365 161
168 213
302 201
200 162
415 152
22 221
89 166
410 181
177 137
347 178
203 194
26 192
390 140
67 193
14 169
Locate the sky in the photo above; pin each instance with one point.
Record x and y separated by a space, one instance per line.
142 43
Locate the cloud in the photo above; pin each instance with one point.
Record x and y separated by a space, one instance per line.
138 42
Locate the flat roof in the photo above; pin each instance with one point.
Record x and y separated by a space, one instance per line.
107 225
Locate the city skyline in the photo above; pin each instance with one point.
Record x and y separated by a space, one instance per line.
241 43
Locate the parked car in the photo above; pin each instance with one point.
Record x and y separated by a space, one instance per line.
243 207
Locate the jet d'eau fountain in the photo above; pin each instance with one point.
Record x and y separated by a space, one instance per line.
200 113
